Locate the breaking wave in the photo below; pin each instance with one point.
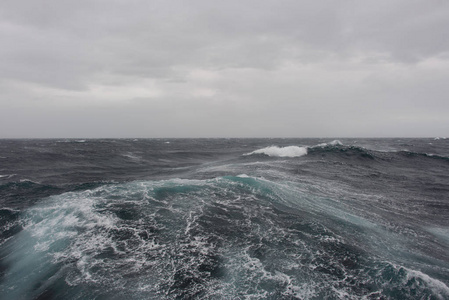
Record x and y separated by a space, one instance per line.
290 151
339 149
333 143
295 151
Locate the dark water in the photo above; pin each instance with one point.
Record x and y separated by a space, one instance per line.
224 219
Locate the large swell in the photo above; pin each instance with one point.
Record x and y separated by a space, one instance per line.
344 221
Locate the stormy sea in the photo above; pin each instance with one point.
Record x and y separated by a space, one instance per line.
224 219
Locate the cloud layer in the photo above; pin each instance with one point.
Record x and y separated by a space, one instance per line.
223 69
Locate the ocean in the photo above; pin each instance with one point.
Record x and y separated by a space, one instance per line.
224 219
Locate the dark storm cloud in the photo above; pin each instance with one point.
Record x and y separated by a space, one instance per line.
275 68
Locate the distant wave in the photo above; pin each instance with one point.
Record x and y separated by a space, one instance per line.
274 151
292 151
132 156
333 143
337 148
7 175
416 154
71 141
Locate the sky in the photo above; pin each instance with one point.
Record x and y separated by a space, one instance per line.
150 69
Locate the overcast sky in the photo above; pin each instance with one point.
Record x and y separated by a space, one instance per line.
131 68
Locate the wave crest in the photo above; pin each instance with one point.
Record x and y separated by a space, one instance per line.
292 151
333 143
275 151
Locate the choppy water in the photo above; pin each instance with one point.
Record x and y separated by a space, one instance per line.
224 219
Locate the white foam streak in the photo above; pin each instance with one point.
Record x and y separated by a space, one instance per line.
132 156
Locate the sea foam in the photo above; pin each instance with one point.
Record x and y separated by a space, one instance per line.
290 151
333 143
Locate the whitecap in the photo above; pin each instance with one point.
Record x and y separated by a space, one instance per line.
28 180
289 151
437 286
243 176
333 143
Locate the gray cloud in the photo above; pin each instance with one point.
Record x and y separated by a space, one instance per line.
202 68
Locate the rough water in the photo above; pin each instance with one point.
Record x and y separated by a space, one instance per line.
224 219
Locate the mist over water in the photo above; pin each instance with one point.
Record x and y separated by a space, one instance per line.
224 219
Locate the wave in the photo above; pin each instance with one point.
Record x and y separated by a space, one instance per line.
411 154
217 238
7 175
333 143
132 156
71 141
339 149
9 225
413 276
292 151
22 185
274 151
